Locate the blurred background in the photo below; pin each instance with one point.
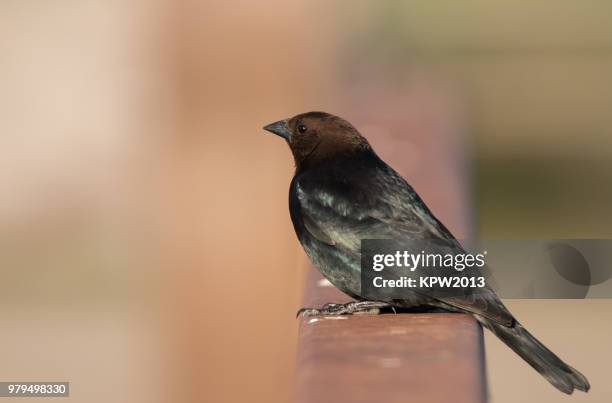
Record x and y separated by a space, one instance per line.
147 252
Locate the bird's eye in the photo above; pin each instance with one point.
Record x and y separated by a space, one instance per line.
302 129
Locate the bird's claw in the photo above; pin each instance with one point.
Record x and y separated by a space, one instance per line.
332 309
307 312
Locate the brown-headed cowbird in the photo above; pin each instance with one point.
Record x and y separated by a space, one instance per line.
342 192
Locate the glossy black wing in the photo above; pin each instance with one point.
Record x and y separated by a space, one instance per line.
374 202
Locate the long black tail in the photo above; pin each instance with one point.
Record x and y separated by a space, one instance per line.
561 375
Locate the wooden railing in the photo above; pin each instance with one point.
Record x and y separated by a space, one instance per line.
407 357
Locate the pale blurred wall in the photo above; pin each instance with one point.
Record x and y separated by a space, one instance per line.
82 108
147 250
234 265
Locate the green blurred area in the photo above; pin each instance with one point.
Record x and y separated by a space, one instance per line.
543 197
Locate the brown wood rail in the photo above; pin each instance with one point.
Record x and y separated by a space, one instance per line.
407 357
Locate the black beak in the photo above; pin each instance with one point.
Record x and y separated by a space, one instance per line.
279 128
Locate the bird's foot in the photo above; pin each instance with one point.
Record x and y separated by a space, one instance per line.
353 307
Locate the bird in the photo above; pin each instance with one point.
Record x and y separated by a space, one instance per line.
343 192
